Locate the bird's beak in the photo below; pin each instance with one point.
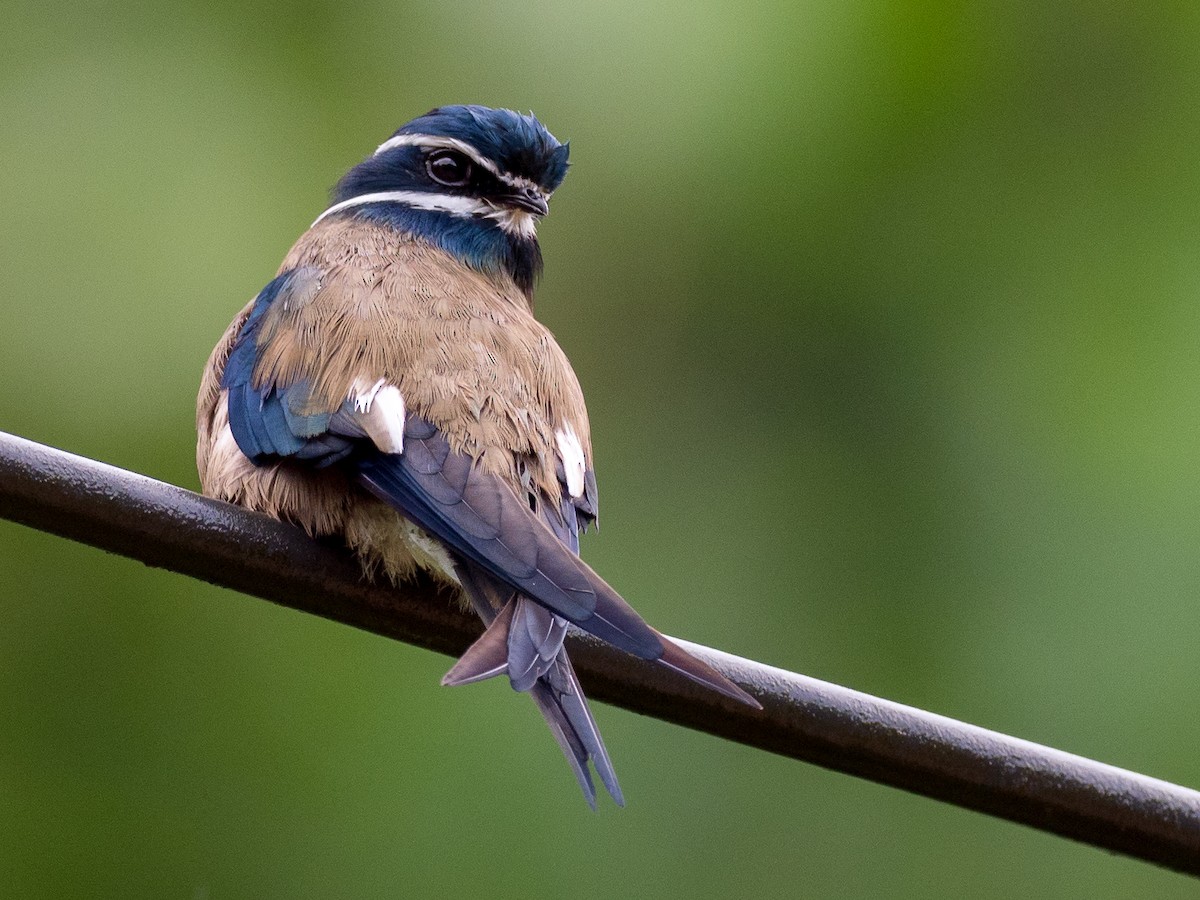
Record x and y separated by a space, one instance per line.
529 199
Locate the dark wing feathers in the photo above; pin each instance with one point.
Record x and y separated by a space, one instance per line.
483 520
271 422
567 516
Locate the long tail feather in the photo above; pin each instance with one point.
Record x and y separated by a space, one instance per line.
534 643
556 690
522 641
562 704
488 656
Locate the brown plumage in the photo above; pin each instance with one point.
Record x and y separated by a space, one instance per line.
463 348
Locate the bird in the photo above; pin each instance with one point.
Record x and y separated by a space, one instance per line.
391 388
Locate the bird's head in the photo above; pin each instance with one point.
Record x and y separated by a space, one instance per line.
494 166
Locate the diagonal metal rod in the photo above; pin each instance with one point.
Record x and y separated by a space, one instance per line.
166 526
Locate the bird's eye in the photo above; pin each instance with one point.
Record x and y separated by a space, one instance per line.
449 168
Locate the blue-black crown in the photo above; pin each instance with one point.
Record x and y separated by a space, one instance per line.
517 143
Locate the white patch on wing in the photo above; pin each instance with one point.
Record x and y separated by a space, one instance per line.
573 462
380 409
362 392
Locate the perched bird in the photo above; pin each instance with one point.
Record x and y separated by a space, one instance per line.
391 386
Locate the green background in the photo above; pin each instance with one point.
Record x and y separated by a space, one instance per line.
888 318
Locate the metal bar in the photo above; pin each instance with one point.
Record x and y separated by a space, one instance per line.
172 528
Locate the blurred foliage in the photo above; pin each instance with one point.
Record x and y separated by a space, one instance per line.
887 314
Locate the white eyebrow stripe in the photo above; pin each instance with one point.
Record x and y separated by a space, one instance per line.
448 143
516 222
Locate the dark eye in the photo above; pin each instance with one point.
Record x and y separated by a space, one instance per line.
449 168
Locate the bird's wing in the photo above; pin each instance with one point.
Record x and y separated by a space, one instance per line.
477 514
479 517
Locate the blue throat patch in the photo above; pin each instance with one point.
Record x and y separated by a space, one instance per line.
480 243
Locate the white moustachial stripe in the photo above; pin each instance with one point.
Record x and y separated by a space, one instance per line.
452 203
515 221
